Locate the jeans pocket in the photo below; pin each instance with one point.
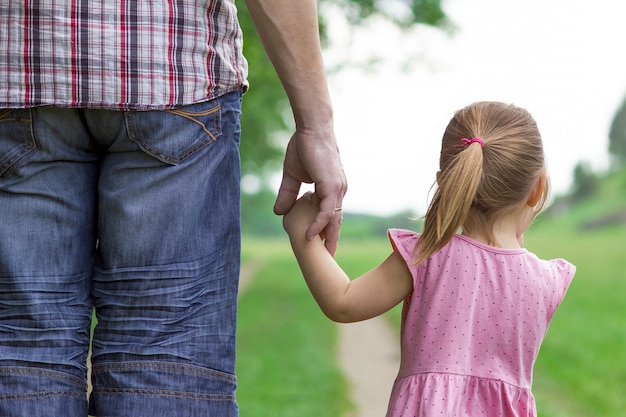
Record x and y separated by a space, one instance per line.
173 135
16 138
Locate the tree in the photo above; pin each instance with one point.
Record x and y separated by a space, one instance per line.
404 13
585 182
266 117
617 136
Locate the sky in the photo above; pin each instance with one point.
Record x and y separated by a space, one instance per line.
562 60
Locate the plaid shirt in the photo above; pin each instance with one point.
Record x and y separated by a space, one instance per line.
119 54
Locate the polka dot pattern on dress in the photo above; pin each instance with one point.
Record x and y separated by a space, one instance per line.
472 328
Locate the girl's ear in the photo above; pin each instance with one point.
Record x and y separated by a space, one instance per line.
538 191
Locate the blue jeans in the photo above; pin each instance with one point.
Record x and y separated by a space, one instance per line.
135 214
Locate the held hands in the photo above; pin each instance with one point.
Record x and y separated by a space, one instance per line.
309 159
302 214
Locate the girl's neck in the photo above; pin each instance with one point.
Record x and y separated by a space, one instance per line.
506 232
501 240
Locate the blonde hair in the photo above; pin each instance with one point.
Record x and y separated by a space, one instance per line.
477 183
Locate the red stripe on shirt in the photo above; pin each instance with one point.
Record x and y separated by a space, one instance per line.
27 73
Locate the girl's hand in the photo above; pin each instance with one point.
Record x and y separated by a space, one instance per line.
299 218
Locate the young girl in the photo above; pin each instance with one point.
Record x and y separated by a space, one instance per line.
477 305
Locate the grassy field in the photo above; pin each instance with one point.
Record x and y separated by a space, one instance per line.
286 347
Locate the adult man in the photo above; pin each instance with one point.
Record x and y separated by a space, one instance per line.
119 189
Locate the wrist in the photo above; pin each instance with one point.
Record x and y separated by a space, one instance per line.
313 113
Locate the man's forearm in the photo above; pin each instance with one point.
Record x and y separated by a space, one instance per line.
289 32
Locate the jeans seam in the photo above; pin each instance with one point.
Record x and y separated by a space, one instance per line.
42 394
191 116
166 366
163 393
6 112
28 371
11 157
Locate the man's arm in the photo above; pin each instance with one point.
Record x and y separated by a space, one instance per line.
290 35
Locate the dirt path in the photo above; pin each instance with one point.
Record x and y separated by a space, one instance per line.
369 354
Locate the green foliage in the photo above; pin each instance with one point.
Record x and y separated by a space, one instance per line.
404 13
257 216
265 108
258 219
584 182
603 207
617 135
358 226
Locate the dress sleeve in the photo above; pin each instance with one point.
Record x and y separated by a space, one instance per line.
403 242
562 274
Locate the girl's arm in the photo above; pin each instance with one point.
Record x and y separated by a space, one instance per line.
341 299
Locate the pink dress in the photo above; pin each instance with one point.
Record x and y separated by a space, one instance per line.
472 328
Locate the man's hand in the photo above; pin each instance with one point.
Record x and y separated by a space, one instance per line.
315 160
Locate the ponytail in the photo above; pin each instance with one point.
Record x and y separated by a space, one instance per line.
480 181
457 187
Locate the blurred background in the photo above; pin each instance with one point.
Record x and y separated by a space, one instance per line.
398 69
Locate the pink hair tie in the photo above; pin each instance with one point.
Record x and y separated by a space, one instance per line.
468 142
